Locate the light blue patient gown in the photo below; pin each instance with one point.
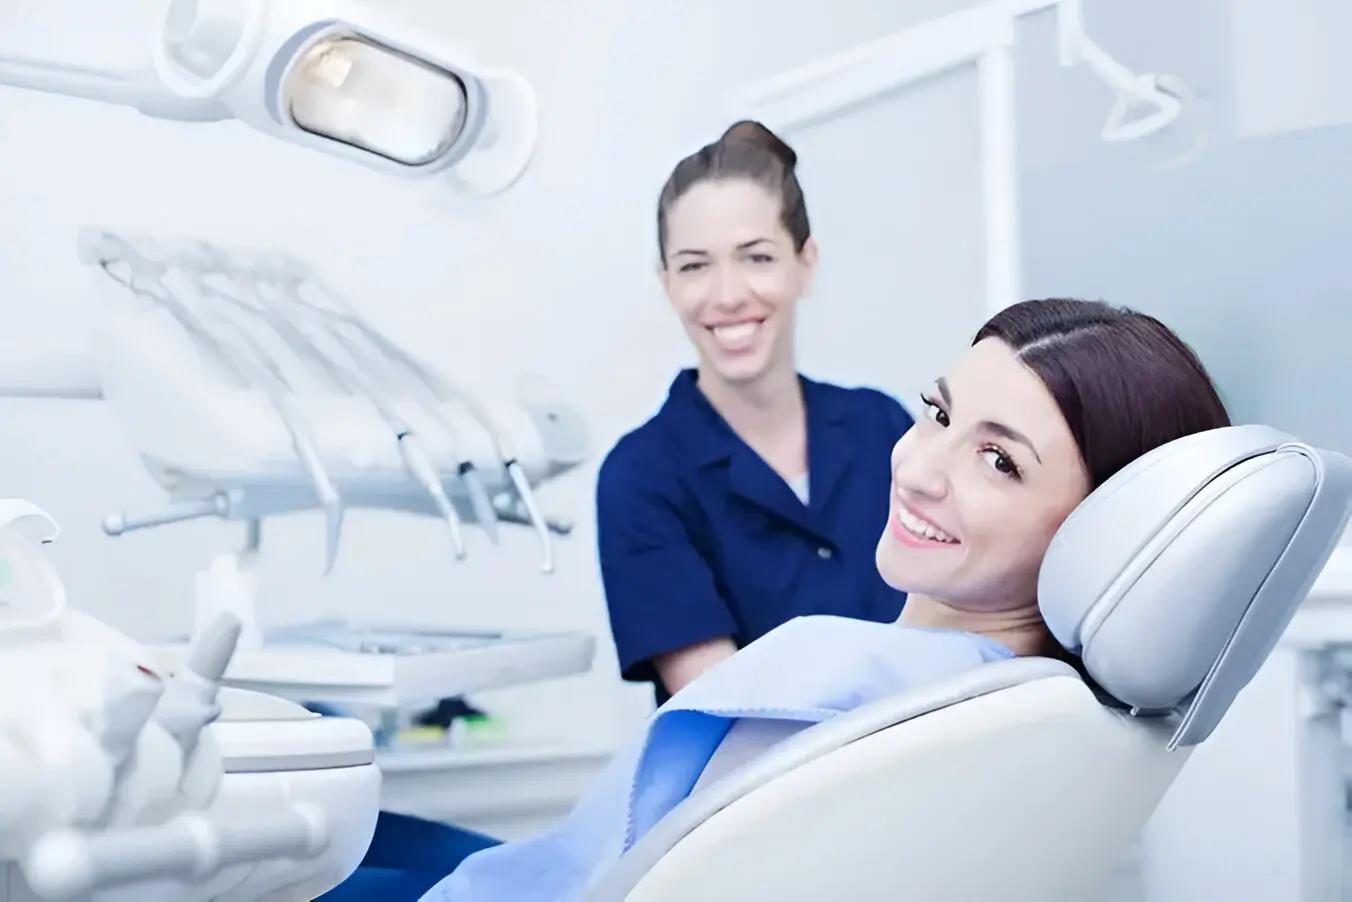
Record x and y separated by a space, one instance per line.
808 670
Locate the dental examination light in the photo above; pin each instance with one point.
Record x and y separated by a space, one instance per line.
331 75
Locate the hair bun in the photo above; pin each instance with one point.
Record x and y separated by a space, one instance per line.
750 132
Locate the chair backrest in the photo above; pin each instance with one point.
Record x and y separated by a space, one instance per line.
1173 582
1175 579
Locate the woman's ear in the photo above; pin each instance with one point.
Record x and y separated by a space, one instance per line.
807 258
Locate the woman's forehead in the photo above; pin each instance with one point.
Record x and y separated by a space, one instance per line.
737 208
989 382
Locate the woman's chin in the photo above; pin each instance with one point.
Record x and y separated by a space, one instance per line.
911 571
738 365
741 368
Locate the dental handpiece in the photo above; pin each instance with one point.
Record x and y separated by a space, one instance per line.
287 275
515 472
302 444
420 466
293 274
307 454
480 503
411 450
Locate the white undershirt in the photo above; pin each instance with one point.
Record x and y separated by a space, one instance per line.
799 487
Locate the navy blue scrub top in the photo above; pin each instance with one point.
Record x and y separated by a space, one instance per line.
699 538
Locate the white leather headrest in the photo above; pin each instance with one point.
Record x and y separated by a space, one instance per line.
1175 578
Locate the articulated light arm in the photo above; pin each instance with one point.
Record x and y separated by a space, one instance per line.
983 35
1077 49
139 91
825 87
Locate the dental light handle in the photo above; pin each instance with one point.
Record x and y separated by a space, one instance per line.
66 864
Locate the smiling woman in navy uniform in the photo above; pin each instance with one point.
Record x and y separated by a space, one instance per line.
755 495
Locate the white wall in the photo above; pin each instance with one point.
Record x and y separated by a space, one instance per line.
1291 65
554 277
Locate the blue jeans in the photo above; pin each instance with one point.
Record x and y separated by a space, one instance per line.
407 857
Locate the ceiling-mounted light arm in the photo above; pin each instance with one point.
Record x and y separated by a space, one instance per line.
1076 49
128 89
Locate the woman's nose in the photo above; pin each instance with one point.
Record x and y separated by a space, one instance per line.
730 288
919 469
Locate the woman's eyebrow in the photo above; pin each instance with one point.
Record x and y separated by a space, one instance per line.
1000 429
1010 433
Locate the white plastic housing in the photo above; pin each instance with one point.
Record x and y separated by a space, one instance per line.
326 74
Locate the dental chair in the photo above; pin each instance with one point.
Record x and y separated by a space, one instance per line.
123 779
1028 780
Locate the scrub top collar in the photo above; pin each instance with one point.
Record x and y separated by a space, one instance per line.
710 442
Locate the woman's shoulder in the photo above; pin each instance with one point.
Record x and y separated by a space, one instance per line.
859 402
644 459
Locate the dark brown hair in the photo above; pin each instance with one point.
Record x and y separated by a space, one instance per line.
1125 383
747 150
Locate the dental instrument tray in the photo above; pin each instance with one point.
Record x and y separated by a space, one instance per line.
335 662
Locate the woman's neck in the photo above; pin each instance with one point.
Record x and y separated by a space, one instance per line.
761 412
1020 629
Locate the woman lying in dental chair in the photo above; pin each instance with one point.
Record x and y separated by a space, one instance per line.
1052 399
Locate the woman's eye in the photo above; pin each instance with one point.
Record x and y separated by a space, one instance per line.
762 258
935 412
1000 462
691 267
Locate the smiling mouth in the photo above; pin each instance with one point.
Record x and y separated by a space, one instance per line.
736 336
919 530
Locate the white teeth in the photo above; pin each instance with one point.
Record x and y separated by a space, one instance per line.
919 528
735 334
